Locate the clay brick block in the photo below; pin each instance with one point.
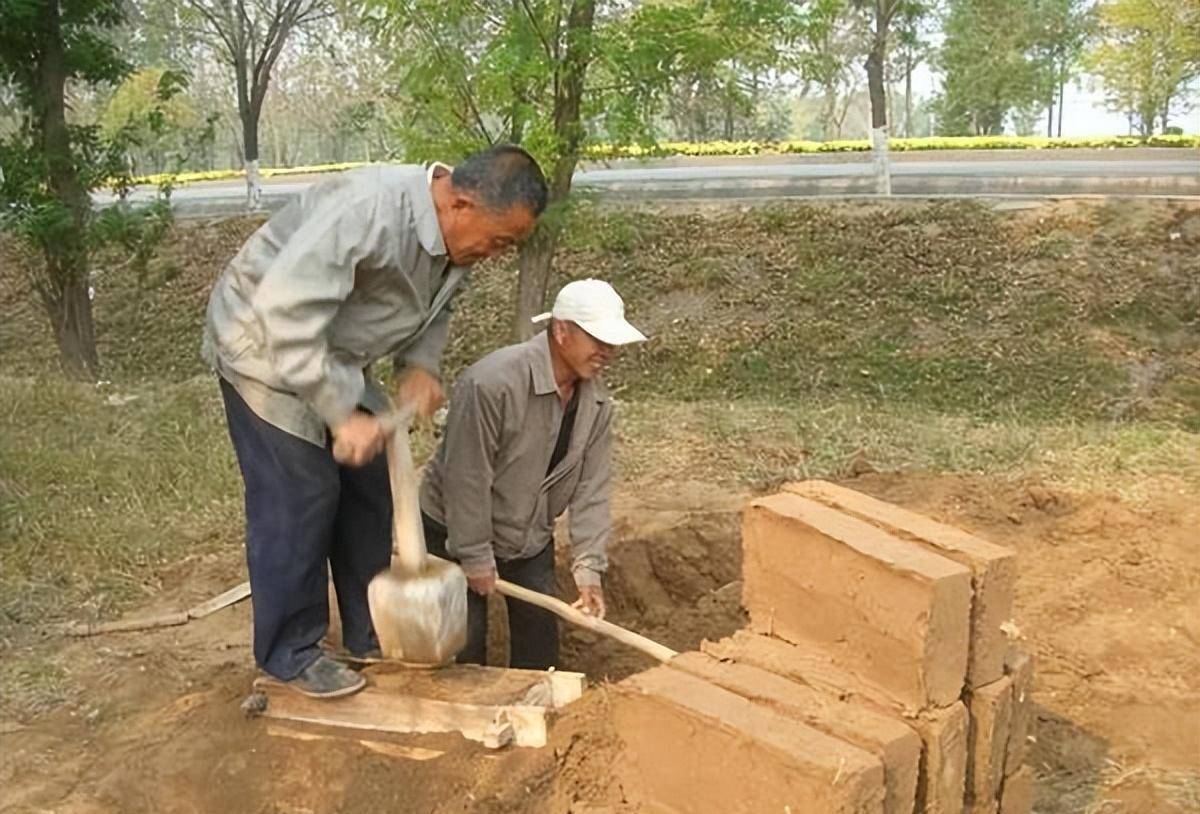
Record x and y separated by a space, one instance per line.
1019 666
695 747
943 774
993 567
990 709
886 609
896 745
1017 795
943 732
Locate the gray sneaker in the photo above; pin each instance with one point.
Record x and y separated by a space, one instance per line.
326 678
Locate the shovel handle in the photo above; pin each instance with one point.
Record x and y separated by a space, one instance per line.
578 617
408 534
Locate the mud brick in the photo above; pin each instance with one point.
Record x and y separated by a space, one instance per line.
1019 666
887 609
695 747
1017 795
942 784
993 567
990 708
943 732
896 745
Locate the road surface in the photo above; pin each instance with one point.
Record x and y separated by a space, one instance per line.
1167 171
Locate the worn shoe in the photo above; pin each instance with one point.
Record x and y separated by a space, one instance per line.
325 678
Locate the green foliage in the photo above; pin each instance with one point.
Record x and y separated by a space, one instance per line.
50 165
991 66
477 74
152 114
1148 52
26 29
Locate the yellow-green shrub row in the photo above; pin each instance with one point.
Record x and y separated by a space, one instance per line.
721 148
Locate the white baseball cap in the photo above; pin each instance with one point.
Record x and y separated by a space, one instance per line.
597 308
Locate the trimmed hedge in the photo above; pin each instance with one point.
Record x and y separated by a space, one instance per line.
719 148
731 148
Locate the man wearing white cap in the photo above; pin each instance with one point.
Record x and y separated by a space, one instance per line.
529 436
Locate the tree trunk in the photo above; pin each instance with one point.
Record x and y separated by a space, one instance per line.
878 93
1050 117
65 291
830 116
248 113
533 262
1062 87
729 117
74 330
250 150
908 72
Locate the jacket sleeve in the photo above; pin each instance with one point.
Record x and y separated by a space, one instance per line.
427 351
590 512
472 440
301 292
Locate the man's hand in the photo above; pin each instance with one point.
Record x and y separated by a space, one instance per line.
483 585
357 440
591 601
420 390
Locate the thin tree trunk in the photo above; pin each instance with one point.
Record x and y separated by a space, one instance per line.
65 291
908 72
878 93
533 262
1050 116
1062 87
830 116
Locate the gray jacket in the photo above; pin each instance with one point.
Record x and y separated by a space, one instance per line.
487 482
353 270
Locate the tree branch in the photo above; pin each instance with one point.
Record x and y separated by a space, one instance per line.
537 29
215 25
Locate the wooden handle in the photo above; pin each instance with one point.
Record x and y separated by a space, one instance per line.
578 617
408 535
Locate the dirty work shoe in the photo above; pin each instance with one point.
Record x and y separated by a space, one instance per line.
325 678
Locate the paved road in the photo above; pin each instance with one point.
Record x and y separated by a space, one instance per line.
1098 172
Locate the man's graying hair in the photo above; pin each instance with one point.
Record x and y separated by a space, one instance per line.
502 177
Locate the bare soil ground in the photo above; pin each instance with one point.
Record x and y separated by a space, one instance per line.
1107 599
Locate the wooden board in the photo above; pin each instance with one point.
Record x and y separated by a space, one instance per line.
485 704
231 597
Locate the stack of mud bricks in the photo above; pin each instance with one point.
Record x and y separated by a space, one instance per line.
875 676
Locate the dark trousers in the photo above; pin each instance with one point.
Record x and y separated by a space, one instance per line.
305 514
532 631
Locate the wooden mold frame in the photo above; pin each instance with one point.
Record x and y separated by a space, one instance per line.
491 705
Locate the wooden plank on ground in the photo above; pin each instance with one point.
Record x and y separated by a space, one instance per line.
231 597
381 709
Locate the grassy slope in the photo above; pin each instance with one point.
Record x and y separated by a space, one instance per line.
788 341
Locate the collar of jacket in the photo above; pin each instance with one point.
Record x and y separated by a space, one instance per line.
429 231
541 368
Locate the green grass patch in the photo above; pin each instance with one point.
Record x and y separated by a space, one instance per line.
100 488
